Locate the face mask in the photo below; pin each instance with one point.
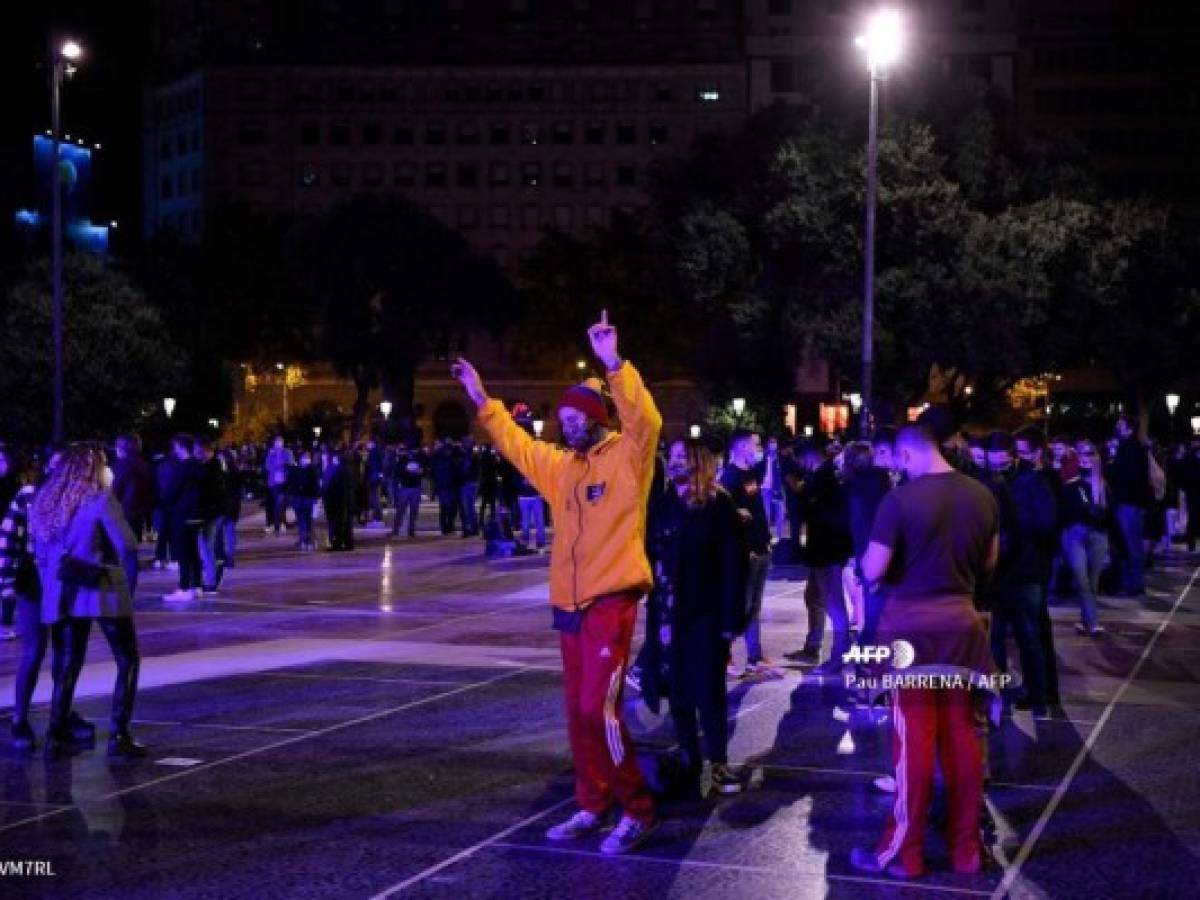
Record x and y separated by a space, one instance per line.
678 472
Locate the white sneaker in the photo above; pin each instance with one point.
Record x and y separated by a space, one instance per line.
172 566
628 835
180 596
157 564
885 783
579 825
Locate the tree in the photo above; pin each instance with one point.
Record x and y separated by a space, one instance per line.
118 359
390 284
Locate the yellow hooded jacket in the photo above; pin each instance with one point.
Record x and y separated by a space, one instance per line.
598 499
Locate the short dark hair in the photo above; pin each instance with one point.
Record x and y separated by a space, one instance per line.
739 435
1032 436
917 436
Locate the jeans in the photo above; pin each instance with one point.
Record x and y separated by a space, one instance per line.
467 495
1084 550
228 540
823 595
34 637
162 543
1131 520
206 538
447 509
533 515
776 517
756 587
276 507
1019 606
407 500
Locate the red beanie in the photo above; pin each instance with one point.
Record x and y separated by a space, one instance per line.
588 398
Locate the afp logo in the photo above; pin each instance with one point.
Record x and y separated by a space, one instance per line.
901 654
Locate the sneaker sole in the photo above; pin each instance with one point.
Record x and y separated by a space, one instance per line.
728 789
629 848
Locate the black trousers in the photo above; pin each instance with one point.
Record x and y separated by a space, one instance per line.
698 656
34 638
185 548
340 519
447 509
72 635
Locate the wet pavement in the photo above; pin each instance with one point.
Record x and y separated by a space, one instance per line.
388 722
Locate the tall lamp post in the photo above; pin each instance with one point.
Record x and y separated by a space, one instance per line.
882 42
63 56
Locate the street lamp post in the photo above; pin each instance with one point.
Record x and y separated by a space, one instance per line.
881 42
63 56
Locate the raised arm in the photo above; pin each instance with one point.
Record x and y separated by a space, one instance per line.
641 422
537 460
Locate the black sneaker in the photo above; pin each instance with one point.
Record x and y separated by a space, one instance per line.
23 737
724 781
809 656
79 728
122 744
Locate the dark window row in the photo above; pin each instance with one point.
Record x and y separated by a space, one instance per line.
469 175
469 134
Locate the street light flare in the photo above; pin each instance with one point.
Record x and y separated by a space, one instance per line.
883 40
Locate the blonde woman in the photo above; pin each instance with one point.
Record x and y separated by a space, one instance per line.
86 556
1085 513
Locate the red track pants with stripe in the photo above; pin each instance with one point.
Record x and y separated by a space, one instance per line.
594 664
929 724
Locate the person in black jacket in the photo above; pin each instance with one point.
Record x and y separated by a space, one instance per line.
180 498
211 513
1086 515
489 484
867 483
408 475
303 485
446 481
696 606
826 549
468 471
1027 550
1132 494
235 487
339 489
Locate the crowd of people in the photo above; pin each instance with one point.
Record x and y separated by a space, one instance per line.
949 542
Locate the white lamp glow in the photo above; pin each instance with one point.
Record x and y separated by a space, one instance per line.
694 431
169 406
386 408
1172 403
739 405
883 41
538 427
71 50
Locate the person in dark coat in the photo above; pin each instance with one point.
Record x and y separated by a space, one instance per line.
133 483
180 499
866 486
303 485
446 481
338 489
489 484
235 488
696 551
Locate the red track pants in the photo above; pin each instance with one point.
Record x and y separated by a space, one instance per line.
594 663
929 723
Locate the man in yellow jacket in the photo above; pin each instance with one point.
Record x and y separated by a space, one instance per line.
597 488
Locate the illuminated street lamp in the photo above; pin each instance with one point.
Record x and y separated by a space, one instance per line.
1172 403
214 424
317 432
581 365
694 431
882 42
169 406
538 427
739 405
386 408
1195 424
63 57
855 402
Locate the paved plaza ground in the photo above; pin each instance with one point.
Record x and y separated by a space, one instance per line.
389 722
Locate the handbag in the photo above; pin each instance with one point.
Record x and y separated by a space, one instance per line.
79 573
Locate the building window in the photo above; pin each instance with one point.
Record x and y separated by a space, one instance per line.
531 174
468 175
388 93
435 134
531 134
402 135
251 134
563 218
626 133
468 134
310 134
708 93
181 183
468 217
404 175
600 91
181 144
493 93
499 216
310 176
373 174
627 176
595 216
783 76
643 10
339 134
663 93
166 188
164 150
563 175
779 8
340 175
435 175
974 6
563 133
537 93
706 9
499 175
250 174
498 134
531 217
372 133
593 175
195 181
516 93
659 133
195 140
594 134
251 89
